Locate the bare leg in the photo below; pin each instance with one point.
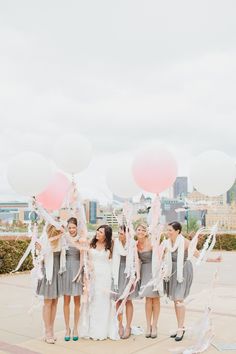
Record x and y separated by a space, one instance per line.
148 310
53 314
120 320
129 313
66 308
47 311
155 314
129 317
180 314
76 314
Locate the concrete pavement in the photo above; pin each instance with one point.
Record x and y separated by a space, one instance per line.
21 331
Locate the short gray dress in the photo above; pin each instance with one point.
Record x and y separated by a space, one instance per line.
122 282
53 290
146 275
179 291
70 287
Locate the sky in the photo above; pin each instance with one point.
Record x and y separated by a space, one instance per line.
123 73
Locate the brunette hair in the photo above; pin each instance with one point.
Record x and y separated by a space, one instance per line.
176 226
123 228
108 238
72 220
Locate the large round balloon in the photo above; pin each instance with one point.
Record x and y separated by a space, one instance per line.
155 169
54 195
72 153
120 179
213 173
29 173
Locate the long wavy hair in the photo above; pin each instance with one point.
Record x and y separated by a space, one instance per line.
52 231
108 238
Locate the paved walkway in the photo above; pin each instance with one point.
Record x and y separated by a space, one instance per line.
21 331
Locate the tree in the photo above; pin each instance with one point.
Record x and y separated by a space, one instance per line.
192 225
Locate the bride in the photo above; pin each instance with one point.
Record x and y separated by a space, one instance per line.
99 312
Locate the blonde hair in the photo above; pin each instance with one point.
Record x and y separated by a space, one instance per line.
143 226
52 231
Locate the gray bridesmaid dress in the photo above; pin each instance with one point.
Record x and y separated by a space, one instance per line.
146 274
70 287
51 290
173 289
122 282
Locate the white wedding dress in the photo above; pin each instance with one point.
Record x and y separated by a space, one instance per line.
98 318
100 306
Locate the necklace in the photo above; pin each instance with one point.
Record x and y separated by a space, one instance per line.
75 238
141 245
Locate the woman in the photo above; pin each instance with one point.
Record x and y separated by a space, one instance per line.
100 304
120 281
179 273
152 304
52 253
71 287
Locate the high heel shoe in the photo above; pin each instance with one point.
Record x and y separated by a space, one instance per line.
127 334
154 333
49 340
67 338
121 331
148 334
173 335
179 338
75 338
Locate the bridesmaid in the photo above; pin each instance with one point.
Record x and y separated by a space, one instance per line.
177 287
70 287
52 253
120 282
152 305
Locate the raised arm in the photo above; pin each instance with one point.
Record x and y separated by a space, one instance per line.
197 254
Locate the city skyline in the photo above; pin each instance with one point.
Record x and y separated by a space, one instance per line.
194 209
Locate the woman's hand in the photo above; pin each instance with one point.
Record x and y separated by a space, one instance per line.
83 244
38 247
218 259
215 260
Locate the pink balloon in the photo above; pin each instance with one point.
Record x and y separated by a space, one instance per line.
53 196
155 169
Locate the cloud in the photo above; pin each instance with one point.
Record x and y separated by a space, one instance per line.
123 74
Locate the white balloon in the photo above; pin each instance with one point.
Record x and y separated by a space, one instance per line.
120 178
213 173
72 153
29 173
